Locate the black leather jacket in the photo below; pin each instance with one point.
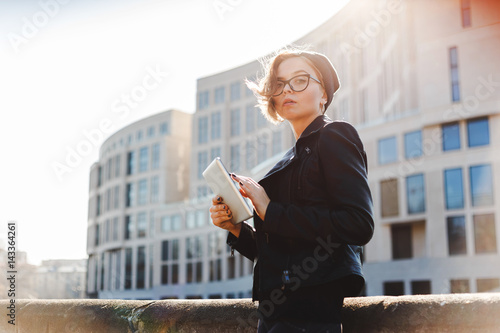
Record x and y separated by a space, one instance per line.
319 216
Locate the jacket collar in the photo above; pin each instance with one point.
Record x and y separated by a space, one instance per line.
315 126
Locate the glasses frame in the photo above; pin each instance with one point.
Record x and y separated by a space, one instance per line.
285 82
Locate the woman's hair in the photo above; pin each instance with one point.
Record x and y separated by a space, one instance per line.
265 86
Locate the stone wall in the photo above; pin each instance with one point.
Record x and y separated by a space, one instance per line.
425 313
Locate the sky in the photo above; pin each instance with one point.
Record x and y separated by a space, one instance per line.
65 66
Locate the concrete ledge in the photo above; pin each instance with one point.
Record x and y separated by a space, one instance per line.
426 313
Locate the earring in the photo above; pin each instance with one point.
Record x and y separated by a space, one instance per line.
322 107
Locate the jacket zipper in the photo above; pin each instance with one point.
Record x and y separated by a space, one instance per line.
285 277
308 151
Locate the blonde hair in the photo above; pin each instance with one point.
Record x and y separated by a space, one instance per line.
265 86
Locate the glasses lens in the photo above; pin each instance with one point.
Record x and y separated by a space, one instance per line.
300 82
278 89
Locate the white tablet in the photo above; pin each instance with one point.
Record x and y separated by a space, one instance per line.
223 185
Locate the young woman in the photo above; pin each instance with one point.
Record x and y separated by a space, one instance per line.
313 209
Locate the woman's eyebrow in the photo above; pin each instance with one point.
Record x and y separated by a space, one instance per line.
296 72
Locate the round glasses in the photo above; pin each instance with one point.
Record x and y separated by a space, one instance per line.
297 83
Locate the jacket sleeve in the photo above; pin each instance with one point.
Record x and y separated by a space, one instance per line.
348 218
245 243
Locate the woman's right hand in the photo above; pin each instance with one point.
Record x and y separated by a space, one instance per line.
221 216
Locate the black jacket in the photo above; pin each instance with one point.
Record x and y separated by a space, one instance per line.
319 216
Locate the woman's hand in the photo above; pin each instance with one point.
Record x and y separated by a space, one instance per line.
221 216
249 188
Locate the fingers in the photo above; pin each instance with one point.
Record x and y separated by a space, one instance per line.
216 208
221 214
217 200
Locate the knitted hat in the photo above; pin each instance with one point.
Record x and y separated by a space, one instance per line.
328 72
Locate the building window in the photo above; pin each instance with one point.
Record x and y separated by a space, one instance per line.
142 225
235 122
394 288
202 163
194 269
235 91
460 286
203 191
478 132
97 237
170 259
220 95
389 197
466 13
117 165
130 199
261 120
109 166
203 130
131 163
190 220
261 149
164 128
151 132
116 198
387 150
203 100
249 155
249 92
453 187
129 226
215 123
99 205
143 159
143 192
401 236
115 270
155 189
155 156
128 268
200 218
455 83
215 250
140 135
487 285
421 287
171 223
415 194
215 152
215 267
485 233
451 136
107 231
413 144
481 183
457 243
115 229
235 158
250 118
141 267
108 199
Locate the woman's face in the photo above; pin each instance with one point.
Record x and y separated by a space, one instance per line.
305 105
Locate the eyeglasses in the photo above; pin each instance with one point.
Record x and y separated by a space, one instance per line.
297 83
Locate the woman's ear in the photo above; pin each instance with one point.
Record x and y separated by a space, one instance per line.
323 101
324 98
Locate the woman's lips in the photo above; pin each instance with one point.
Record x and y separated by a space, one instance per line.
288 102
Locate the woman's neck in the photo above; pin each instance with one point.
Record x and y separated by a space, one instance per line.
299 125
